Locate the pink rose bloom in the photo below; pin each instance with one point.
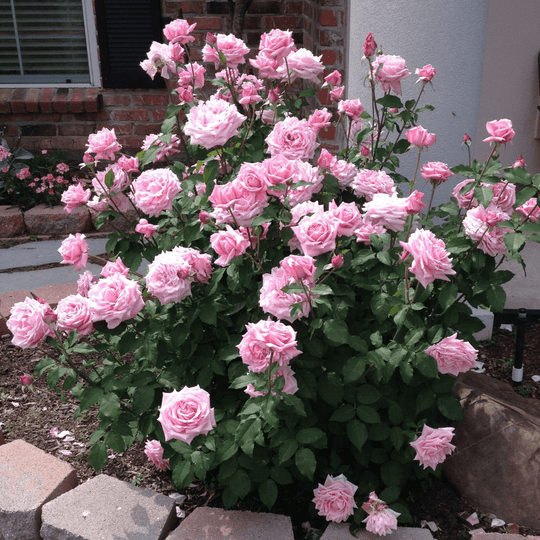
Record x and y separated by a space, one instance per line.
387 210
433 446
200 263
427 73
370 46
351 107
325 159
266 342
305 172
192 76
4 153
185 95
335 499
345 172
479 224
178 31
252 178
128 164
167 277
85 282
301 64
414 203
293 138
25 173
266 65
369 182
74 197
420 137
520 162
116 267
74 250
453 355
103 144
336 93
530 210
277 44
74 313
504 196
166 150
159 59
155 190
145 228
115 299
228 244
390 71
500 131
300 268
279 170
435 172
184 415
27 323
316 234
154 453
430 258
25 380
213 123
230 46
466 139
382 522
320 119
249 94
347 216
464 201
337 261
334 79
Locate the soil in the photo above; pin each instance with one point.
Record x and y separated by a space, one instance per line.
30 414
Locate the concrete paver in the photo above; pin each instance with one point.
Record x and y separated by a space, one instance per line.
29 478
105 508
340 531
217 524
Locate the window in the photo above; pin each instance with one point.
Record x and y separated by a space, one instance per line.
48 43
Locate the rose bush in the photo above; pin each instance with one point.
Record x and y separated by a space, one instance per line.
303 315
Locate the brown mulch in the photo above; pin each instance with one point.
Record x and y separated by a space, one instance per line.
30 415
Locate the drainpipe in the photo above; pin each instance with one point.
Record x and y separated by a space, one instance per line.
517 369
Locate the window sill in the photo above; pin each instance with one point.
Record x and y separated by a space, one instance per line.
50 100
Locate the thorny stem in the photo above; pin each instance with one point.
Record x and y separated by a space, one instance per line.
411 185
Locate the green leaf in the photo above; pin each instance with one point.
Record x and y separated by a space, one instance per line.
336 331
240 483
229 498
281 475
308 92
83 348
450 407
43 366
268 493
369 415
310 435
353 369
305 462
390 494
226 451
448 295
97 456
115 441
142 399
496 297
514 241
89 396
426 364
425 399
517 175
357 433
367 394
109 405
246 433
343 414
287 450
392 473
524 195
391 102
378 432
207 313
181 474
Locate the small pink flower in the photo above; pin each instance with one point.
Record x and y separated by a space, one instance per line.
334 79
204 217
25 380
436 172
103 144
74 250
390 70
420 137
154 453
178 31
453 355
5 170
500 131
337 261
433 446
128 164
335 499
44 152
233 49
426 74
336 93
370 46
75 196
520 162
414 203
145 228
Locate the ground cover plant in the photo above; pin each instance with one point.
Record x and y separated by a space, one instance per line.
304 315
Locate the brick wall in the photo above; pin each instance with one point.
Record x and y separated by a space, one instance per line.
50 118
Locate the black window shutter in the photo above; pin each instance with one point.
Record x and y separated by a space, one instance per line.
126 29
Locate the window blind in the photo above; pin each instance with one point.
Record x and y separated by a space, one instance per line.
43 41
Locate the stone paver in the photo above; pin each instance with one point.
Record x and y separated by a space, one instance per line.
340 531
29 478
216 524
105 508
11 222
43 219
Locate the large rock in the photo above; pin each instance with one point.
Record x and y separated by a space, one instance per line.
11 222
43 219
496 465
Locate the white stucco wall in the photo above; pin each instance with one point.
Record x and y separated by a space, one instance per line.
450 35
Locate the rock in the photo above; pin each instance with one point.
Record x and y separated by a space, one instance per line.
43 219
496 464
11 222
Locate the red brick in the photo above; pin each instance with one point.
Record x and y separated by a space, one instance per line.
18 99
52 294
295 7
32 99
266 7
159 114
323 96
191 7
11 130
151 99
332 148
206 23
5 100
91 100
327 134
327 38
21 117
11 222
46 100
146 129
76 129
76 97
333 3
114 99
131 142
329 57
328 18
253 22
283 22
119 129
60 102
196 56
130 115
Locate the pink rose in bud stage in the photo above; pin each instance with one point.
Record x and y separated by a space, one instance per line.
426 74
233 49
115 299
530 210
212 123
249 94
320 119
204 217
316 234
178 31
116 267
301 64
334 79
75 196
420 137
393 110
466 139
155 190
87 158
414 203
335 499
325 159
103 144
228 244
74 313
185 414
74 250
293 138
435 172
25 380
27 323
520 162
145 228
430 258
370 46
367 183
351 107
500 131
433 446
453 355
337 261
85 282
154 453
390 70
211 39
336 93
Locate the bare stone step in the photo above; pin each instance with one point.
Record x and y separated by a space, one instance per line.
29 477
11 222
43 219
217 524
105 508
340 531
